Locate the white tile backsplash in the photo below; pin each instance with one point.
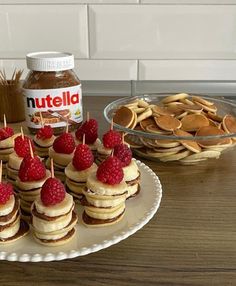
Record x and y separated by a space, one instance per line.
187 70
125 39
27 28
163 32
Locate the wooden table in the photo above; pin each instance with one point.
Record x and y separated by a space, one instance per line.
190 241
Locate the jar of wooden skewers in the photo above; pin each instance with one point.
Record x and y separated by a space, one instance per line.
11 97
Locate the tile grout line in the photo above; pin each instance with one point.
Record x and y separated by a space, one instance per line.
88 32
138 69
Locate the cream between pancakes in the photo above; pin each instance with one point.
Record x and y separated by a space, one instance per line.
60 158
79 176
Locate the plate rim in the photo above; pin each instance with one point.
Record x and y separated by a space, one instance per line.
60 255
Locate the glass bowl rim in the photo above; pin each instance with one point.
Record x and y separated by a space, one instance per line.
156 136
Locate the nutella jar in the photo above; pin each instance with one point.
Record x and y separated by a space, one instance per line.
52 89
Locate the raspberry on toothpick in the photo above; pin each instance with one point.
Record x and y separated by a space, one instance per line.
111 138
65 143
31 168
83 157
6 131
45 132
6 189
90 129
53 191
22 145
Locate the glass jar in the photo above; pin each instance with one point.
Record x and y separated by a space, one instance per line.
52 91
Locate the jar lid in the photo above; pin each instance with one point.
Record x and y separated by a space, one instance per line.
50 61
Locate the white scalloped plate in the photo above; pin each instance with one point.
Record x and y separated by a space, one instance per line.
139 211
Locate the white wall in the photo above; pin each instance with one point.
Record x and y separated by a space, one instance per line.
125 39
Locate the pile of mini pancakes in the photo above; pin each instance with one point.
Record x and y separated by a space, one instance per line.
179 115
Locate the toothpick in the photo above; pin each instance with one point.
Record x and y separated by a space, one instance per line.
52 169
87 116
1 171
112 153
83 139
4 120
67 126
22 133
31 150
123 138
111 128
41 118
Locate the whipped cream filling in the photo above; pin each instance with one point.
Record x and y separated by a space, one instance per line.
106 213
79 176
11 230
48 226
93 146
44 142
131 172
14 161
33 184
60 158
8 207
97 187
56 210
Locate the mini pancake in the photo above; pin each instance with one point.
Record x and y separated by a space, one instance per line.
138 110
147 113
193 122
182 115
203 155
132 104
166 143
186 101
176 110
211 131
134 122
153 128
215 117
167 122
144 123
213 123
176 157
100 223
211 108
161 110
155 154
148 142
133 141
169 150
175 97
23 230
142 103
6 151
124 116
191 108
188 144
229 124
185 161
202 100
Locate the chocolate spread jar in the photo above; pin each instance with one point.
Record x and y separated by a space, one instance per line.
52 89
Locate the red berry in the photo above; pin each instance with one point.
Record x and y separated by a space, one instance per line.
53 192
5 133
83 158
110 171
6 190
65 144
45 132
123 152
90 129
22 146
111 139
31 169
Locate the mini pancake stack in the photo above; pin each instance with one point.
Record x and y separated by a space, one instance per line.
178 115
32 175
7 138
78 171
62 153
105 198
53 216
11 226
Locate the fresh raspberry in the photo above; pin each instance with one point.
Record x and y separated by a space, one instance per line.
22 146
6 190
123 152
53 192
90 129
65 144
110 171
45 132
31 169
83 158
111 139
5 133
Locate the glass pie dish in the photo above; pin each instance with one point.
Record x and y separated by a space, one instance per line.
175 127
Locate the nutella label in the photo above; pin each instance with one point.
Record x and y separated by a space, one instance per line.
57 106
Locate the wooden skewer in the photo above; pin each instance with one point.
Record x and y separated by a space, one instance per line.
31 150
1 171
22 133
83 139
67 126
52 169
112 153
111 128
4 120
87 119
123 138
41 118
